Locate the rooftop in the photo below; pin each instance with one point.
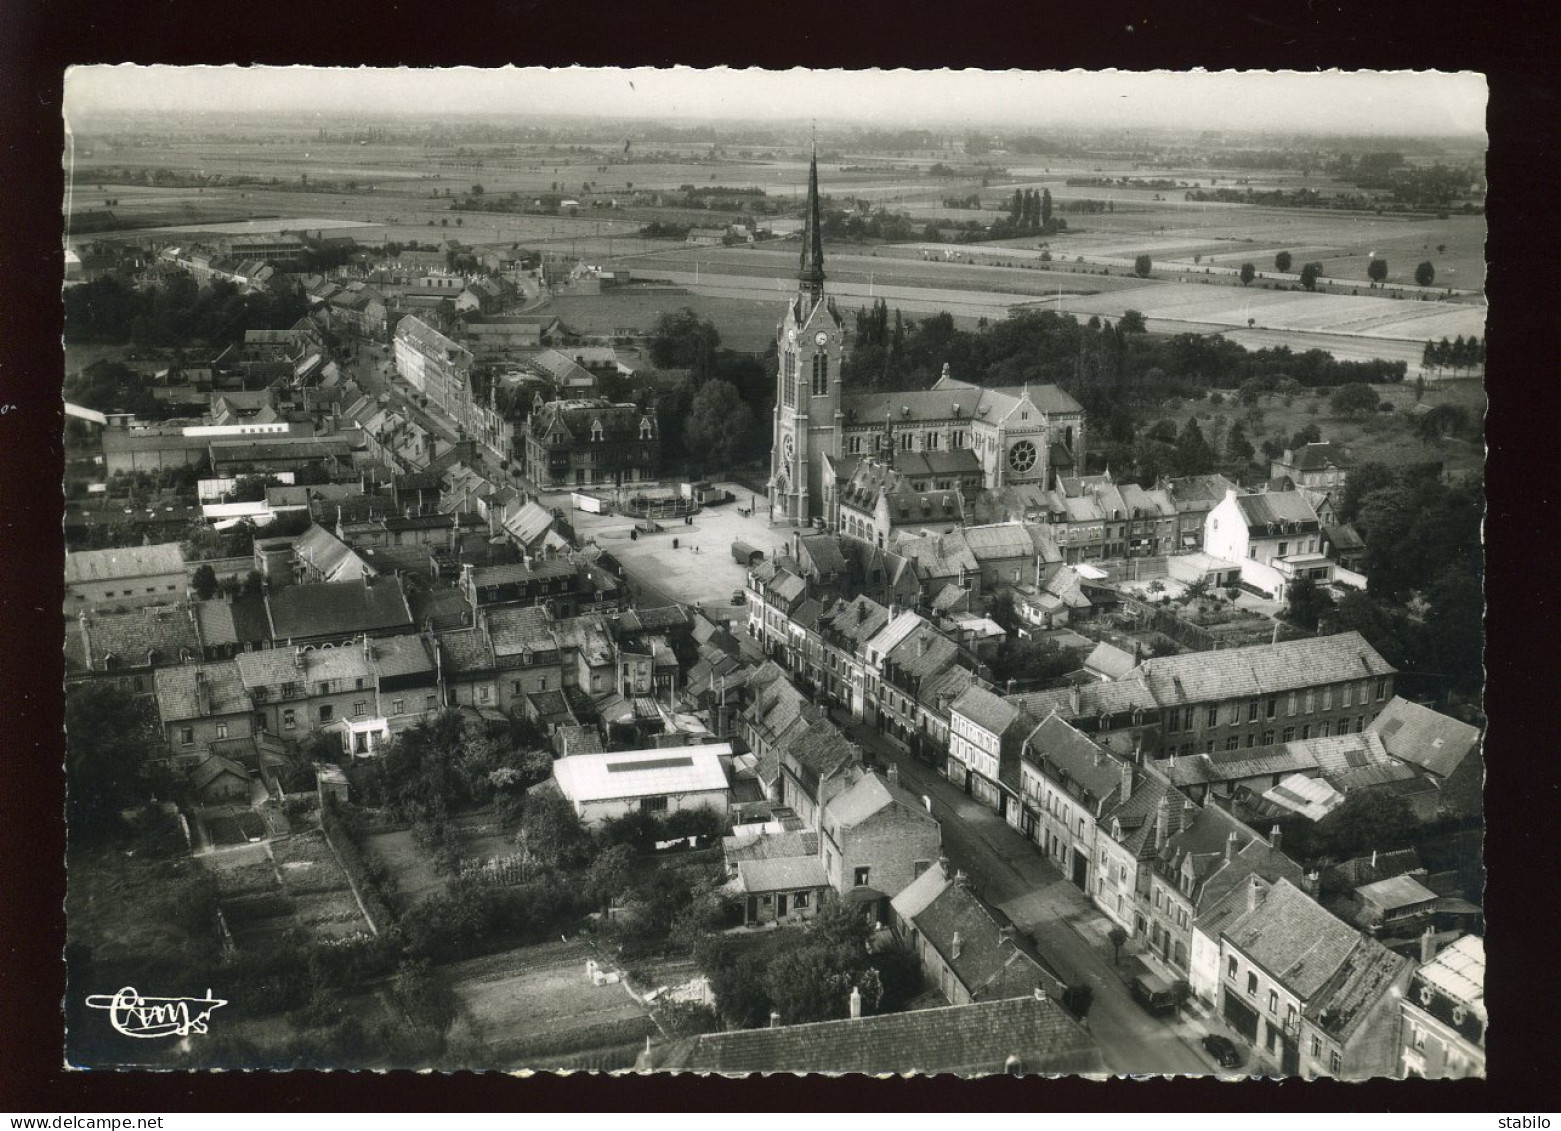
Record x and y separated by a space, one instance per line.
127 561
302 612
1291 936
640 773
1423 737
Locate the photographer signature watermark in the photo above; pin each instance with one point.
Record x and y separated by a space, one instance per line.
150 1017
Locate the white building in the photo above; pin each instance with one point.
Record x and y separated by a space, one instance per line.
1275 535
652 781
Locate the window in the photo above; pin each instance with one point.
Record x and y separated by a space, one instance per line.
1328 698
1272 708
1347 695
820 374
358 706
1310 697
1323 728
1273 1002
542 683
1173 722
1251 741
1187 719
482 693
187 736
222 730
1290 705
1251 984
1268 738
1252 551
1382 687
1290 1022
932 441
289 721
1360 723
1208 747
1252 709
1335 1062
1317 1046
1230 968
1232 742
653 804
1214 717
1416 1037
1287 735
326 711
860 877
398 706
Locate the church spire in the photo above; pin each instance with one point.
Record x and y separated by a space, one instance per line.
811 270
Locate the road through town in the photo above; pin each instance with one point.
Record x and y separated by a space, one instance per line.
1010 873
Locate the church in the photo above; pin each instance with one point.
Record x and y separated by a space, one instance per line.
838 456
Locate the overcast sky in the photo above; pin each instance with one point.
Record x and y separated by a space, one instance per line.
1393 103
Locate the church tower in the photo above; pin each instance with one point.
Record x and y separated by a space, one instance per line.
810 353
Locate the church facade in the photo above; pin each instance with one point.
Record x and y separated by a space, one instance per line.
823 435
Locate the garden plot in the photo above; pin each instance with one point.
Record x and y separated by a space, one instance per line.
307 866
532 1006
482 840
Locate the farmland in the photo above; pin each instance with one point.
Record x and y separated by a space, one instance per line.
290 884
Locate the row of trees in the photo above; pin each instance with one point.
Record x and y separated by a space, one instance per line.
177 312
1459 354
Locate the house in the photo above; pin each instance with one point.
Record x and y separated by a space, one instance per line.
198 704
220 781
876 838
127 576
649 781
986 739
1444 1015
591 442
1107 661
1275 535
431 363
319 555
335 612
1318 464
1128 839
125 647
1444 749
968 950
780 889
1067 783
909 668
1311 994
1020 1036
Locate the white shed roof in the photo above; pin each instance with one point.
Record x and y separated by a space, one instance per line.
642 773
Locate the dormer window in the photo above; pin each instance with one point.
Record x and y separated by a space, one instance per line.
645 428
596 432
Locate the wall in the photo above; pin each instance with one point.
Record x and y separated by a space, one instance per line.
239 725
131 592
889 844
593 813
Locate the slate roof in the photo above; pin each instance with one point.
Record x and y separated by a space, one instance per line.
1274 507
1396 891
769 846
529 523
824 553
1423 737
321 550
515 629
1369 972
987 710
980 1037
953 400
126 561
214 766
1139 815
1291 936
987 959
402 656
923 653
1316 457
858 620
1110 661
1068 754
178 699
338 608
274 666
867 797
167 632
781 873
1262 669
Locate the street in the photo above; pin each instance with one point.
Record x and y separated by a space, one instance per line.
1010 873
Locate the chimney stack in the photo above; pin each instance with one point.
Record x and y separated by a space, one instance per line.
1075 701
1312 883
1162 821
1276 838
856 1003
959 945
1428 945
1252 894
960 879
893 773
1127 781
1230 846
203 692
774 1019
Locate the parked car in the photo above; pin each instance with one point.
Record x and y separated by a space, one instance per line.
1223 1050
1153 993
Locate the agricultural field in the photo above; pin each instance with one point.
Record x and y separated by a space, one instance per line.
534 1006
289 884
747 325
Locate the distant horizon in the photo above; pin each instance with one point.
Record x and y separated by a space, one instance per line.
1356 104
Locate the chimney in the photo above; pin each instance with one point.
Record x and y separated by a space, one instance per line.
1075 701
1162 821
1311 883
921 645
1373 857
1127 781
1230 846
203 692
959 944
960 879
856 1003
1252 894
893 773
1276 838
300 661
1428 945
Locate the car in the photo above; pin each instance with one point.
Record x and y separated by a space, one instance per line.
1223 1050
1154 994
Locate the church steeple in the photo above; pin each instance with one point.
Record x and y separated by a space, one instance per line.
811 270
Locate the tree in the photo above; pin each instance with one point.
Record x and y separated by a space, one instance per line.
107 741
204 582
1282 261
1238 449
1248 273
1362 480
551 832
610 874
1142 266
719 425
1306 603
1132 322
1046 209
683 340
1367 821
1310 274
1377 270
1425 274
1354 399
1117 937
1193 454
